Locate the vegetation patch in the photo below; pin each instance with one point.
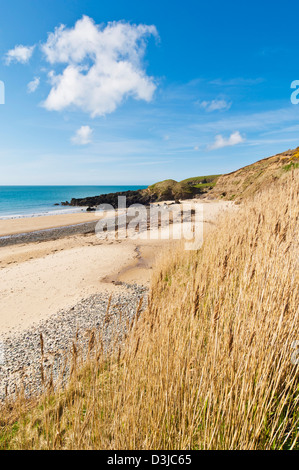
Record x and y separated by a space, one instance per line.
291 166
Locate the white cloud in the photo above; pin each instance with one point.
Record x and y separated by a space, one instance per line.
103 66
82 136
33 85
215 105
220 142
20 54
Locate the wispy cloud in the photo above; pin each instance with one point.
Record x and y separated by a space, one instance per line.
82 136
237 81
215 105
159 162
33 85
220 141
20 54
254 121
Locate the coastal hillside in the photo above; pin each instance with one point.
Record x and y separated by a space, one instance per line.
234 186
253 178
210 363
158 192
186 189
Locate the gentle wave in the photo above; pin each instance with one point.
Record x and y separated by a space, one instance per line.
36 214
36 201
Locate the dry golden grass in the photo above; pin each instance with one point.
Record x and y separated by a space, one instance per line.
208 365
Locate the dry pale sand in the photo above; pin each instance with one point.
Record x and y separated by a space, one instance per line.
39 279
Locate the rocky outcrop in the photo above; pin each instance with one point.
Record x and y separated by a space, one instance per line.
132 197
162 191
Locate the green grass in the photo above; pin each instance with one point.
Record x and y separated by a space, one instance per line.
291 166
164 183
171 189
199 180
7 434
204 185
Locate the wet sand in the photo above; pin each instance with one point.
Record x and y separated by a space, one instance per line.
32 224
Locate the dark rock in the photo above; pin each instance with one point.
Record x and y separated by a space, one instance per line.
174 191
132 197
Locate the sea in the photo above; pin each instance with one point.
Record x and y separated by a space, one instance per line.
30 201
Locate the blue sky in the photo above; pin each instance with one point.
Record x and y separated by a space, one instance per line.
132 92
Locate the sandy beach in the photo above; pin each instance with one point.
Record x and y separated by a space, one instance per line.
40 278
58 279
31 224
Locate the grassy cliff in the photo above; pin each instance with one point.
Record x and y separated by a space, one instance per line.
235 186
186 189
253 178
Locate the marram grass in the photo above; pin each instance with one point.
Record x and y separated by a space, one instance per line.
207 366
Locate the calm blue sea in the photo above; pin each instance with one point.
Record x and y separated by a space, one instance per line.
26 201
